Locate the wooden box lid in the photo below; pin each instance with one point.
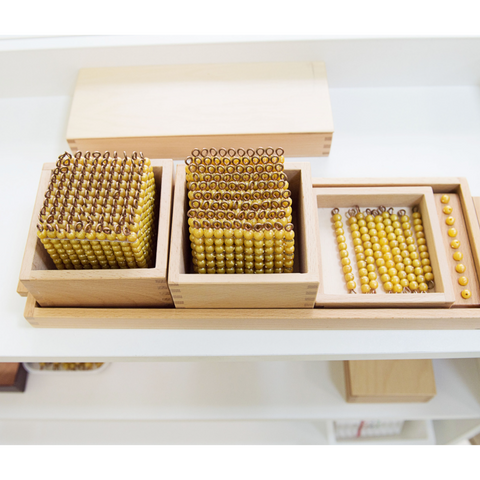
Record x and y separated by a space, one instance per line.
168 110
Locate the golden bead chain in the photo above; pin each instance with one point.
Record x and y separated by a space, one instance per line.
383 241
342 248
455 244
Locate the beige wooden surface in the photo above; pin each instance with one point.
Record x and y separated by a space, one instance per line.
100 288
21 290
342 197
171 109
253 319
471 274
289 290
386 381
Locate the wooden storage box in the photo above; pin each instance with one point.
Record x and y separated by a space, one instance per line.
284 290
172 109
333 291
142 287
389 381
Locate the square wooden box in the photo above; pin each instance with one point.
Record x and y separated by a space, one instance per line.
389 381
332 291
142 287
172 109
289 290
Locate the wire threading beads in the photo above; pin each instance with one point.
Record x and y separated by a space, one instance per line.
241 202
98 212
342 248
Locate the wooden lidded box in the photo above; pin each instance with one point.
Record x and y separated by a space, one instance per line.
172 109
283 290
332 291
139 287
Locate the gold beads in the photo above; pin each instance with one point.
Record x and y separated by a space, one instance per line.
460 268
240 198
466 294
99 212
445 199
342 248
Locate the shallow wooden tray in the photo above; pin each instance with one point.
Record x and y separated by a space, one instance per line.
285 319
333 292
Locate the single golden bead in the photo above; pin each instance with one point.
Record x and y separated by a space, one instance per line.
429 276
397 288
363 272
466 293
463 281
372 276
388 286
452 232
349 277
458 256
447 209
345 261
365 288
370 268
364 280
460 268
395 280
404 282
423 287
382 270
445 199
337 218
347 269
413 285
373 284
351 285
455 244
450 220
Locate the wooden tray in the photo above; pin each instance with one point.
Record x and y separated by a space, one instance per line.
333 291
143 287
285 319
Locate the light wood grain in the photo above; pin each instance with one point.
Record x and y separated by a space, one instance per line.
473 284
406 196
101 288
21 290
253 319
171 109
289 290
388 381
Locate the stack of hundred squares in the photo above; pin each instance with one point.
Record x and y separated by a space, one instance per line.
98 212
240 216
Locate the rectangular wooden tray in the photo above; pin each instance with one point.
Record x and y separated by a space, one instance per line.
172 109
332 291
284 319
143 287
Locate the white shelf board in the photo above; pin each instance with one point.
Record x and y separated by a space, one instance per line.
351 63
71 432
231 391
401 107
414 432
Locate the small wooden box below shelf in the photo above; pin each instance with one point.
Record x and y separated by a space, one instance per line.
283 290
138 287
13 377
332 291
389 381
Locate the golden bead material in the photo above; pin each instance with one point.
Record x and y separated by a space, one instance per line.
452 232
460 268
450 221
104 201
463 281
447 210
243 195
445 199
455 244
458 256
466 294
